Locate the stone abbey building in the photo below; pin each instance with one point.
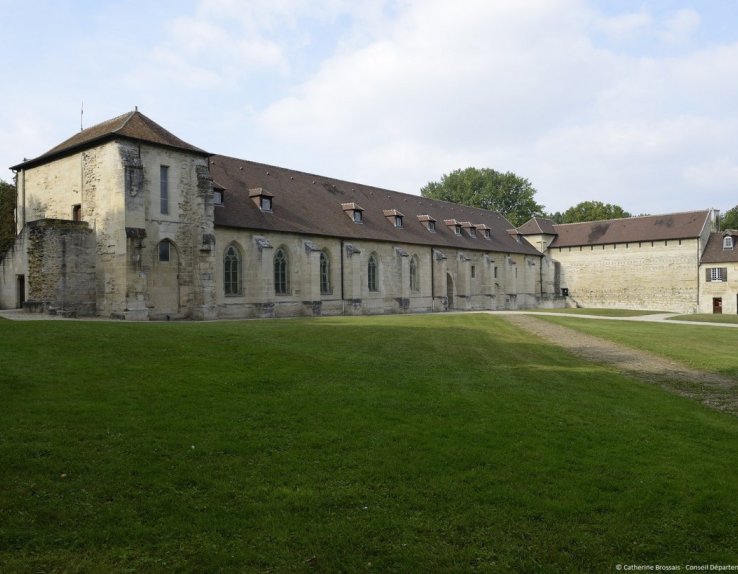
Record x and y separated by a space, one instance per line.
126 220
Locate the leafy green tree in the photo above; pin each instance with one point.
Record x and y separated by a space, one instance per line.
729 220
511 195
593 211
7 215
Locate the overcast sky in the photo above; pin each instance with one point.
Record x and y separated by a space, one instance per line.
626 102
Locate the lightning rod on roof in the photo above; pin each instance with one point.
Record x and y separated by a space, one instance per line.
81 115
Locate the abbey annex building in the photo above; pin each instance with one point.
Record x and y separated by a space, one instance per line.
126 220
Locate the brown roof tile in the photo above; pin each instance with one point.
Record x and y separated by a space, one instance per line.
714 251
687 225
132 125
536 226
311 204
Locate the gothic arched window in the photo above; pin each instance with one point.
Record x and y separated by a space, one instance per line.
414 278
281 272
371 273
232 271
325 274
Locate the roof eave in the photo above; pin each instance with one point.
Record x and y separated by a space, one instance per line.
46 158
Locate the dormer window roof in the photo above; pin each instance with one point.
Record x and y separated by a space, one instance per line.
394 217
262 198
455 225
428 222
470 228
486 230
354 211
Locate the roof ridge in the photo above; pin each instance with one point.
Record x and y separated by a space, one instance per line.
128 119
636 217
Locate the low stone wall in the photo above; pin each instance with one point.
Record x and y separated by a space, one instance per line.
60 267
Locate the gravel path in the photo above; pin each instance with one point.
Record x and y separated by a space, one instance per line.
716 391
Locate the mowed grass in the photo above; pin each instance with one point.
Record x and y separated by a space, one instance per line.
706 317
599 312
393 444
713 349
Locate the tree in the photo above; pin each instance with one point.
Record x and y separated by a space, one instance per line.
593 211
729 220
507 193
7 215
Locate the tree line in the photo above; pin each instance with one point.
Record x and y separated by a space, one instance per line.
514 197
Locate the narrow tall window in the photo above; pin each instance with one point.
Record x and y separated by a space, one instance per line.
281 269
414 279
164 189
232 271
371 274
77 212
164 248
325 274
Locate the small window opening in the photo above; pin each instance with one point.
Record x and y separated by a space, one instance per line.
77 212
164 251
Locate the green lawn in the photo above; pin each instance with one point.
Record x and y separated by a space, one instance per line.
599 312
392 444
699 346
706 317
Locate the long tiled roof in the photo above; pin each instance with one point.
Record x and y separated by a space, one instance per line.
132 125
687 225
714 251
312 204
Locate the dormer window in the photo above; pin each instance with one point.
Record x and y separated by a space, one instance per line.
471 229
354 211
218 197
394 216
486 231
428 222
453 224
262 198
727 242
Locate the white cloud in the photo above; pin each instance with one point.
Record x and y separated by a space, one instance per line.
628 108
680 27
624 26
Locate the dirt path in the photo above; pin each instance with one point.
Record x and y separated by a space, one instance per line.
715 391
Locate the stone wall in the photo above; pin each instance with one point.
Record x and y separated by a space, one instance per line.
447 279
659 275
182 287
727 291
60 267
13 273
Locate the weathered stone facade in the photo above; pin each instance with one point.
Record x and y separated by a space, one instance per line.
637 275
718 274
134 209
125 220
